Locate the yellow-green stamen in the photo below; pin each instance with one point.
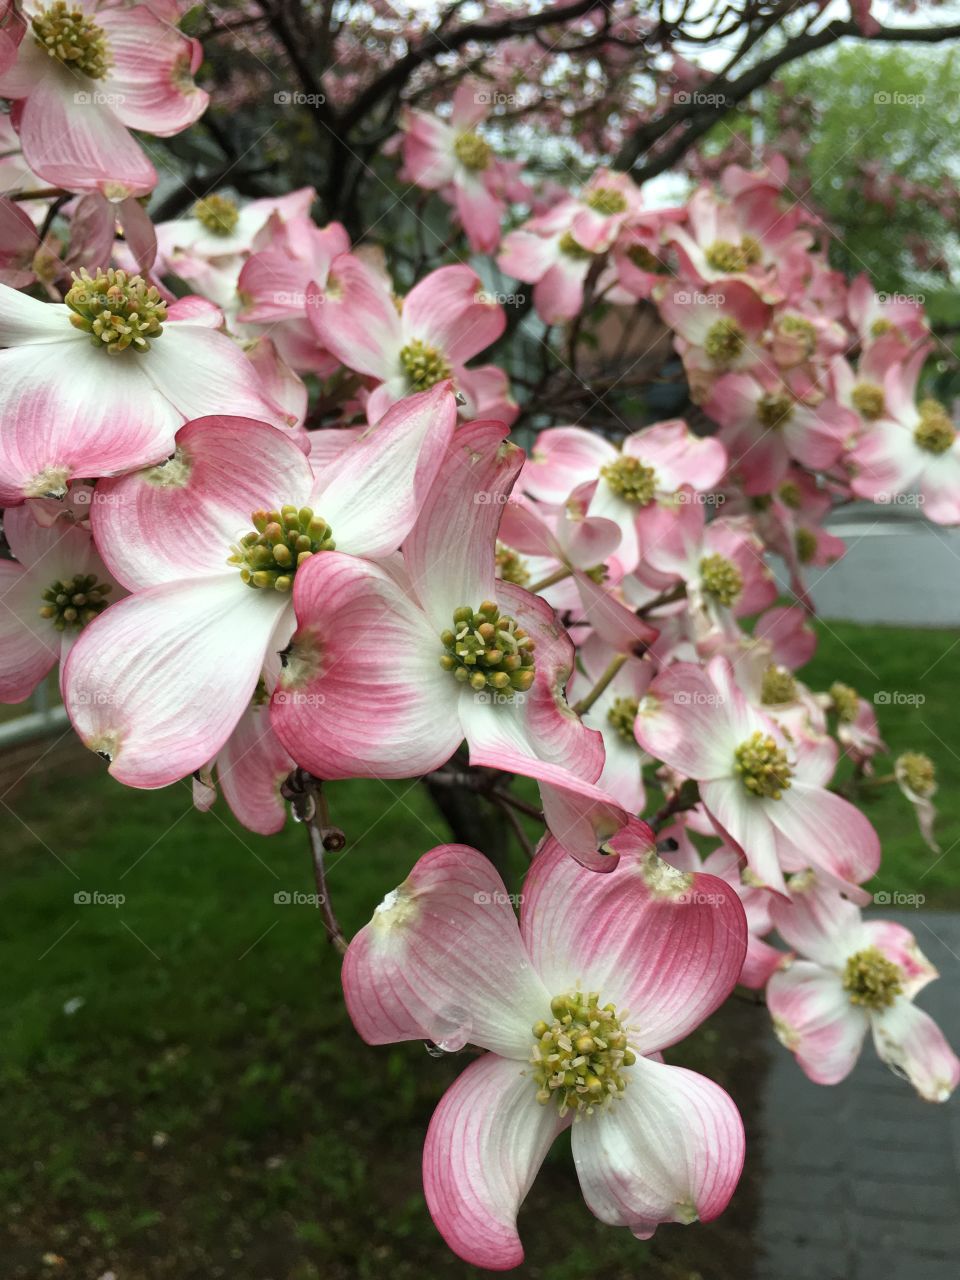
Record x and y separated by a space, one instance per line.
806 543
279 543
117 310
724 342
935 433
720 578
846 701
424 365
775 409
622 715
868 400
71 603
578 1059
798 327
488 650
762 766
218 214
777 686
631 480
871 980
606 200
918 772
472 151
569 245
511 566
723 255
72 38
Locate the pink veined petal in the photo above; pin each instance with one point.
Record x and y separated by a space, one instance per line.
68 413
678 456
818 922
910 1042
250 769
471 104
80 145
28 645
760 963
685 721
355 318
442 960
813 1017
563 458
744 818
558 296
372 493
222 471
832 834
428 158
670 1149
344 707
612 621
899 945
582 817
445 311
665 946
449 553
157 683
150 59
486 1141
201 371
481 214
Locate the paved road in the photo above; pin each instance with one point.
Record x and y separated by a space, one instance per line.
862 1180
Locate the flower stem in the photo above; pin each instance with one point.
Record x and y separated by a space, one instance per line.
585 703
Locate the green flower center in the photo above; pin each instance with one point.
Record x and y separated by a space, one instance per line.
774 409
572 247
724 342
73 39
798 327
278 544
935 433
881 327
117 310
71 604
919 772
511 566
790 495
622 715
846 701
723 255
720 578
631 480
578 1059
472 151
606 200
488 650
868 400
762 766
806 544
777 686
872 980
218 214
642 258
424 365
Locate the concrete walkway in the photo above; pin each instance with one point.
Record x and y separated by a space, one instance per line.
862 1180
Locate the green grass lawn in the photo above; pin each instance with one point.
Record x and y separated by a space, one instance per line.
182 1093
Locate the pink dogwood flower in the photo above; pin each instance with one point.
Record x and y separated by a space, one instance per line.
913 447
650 467
100 383
854 975
765 426
445 320
452 157
573 1009
544 252
88 71
249 769
56 587
478 658
158 684
765 795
